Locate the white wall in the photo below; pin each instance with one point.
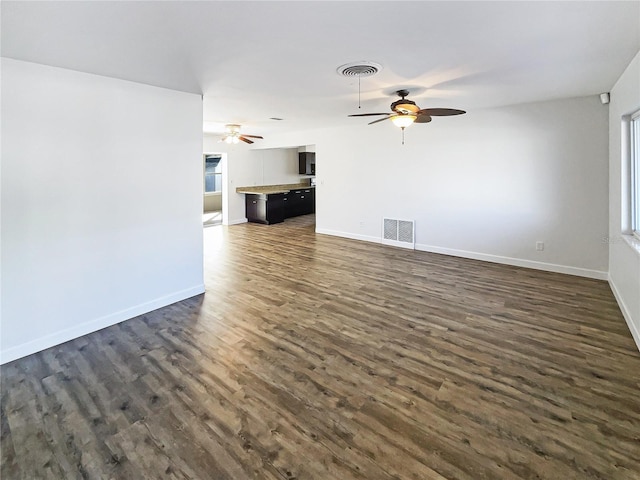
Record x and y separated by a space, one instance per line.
101 203
486 185
279 166
624 253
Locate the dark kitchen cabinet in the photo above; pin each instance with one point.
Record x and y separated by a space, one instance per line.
307 163
267 209
299 202
275 207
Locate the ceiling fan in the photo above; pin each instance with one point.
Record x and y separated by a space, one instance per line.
404 112
233 134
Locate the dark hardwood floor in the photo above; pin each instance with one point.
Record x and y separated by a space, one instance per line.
313 357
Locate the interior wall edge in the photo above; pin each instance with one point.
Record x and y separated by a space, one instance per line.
51 340
625 312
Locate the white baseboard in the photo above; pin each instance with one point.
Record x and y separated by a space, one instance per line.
635 333
517 262
42 343
396 243
237 221
353 236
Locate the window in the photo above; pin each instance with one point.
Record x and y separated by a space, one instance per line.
212 173
635 173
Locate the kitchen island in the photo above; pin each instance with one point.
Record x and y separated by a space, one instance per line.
268 204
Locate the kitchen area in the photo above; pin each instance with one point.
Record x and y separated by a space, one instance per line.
251 170
274 203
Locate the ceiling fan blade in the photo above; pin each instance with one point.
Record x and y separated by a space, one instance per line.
379 120
440 112
367 114
245 140
422 118
253 136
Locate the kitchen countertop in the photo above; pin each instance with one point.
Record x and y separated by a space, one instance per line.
268 189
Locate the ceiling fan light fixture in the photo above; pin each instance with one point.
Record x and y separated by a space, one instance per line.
403 120
233 135
232 128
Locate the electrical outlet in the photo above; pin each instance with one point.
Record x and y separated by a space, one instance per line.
539 246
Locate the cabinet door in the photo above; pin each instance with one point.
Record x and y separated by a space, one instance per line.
286 209
251 207
306 201
307 163
295 207
256 208
275 208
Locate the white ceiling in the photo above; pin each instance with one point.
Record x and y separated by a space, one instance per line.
256 60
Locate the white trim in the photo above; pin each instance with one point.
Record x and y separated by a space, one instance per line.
396 243
625 313
237 221
634 157
353 236
517 262
633 241
51 340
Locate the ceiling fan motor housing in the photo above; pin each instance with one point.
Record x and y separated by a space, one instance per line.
404 106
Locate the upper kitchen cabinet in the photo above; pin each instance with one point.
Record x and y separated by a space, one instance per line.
307 163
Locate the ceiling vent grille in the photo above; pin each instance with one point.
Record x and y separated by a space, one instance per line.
359 69
398 233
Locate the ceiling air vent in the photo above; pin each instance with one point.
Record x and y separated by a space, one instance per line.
359 69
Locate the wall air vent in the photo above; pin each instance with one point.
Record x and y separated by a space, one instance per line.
359 69
398 233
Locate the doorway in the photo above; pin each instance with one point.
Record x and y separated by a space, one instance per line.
213 183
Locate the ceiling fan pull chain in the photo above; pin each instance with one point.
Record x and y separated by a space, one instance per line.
402 135
358 91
